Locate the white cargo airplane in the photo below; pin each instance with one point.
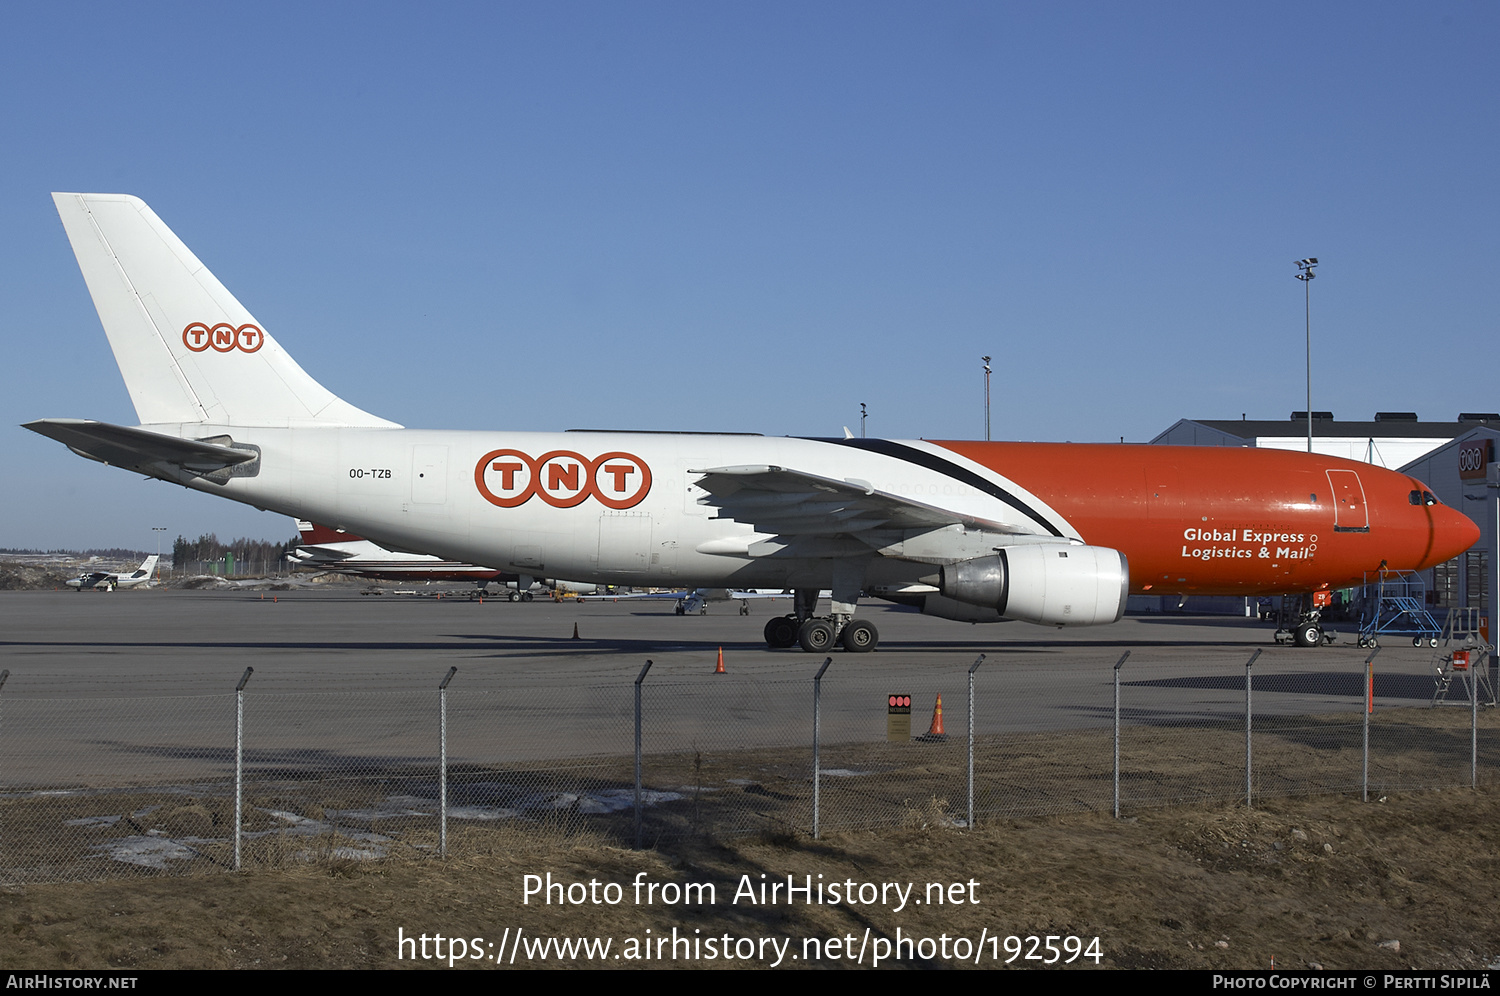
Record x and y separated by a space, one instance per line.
333 550
1047 533
109 582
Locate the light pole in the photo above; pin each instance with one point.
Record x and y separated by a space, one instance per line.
1305 274
862 416
986 360
158 530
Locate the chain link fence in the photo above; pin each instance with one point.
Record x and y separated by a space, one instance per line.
151 784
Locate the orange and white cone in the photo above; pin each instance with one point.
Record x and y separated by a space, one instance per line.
720 668
575 632
935 732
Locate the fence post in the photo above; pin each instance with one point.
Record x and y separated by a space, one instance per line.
817 759
638 679
1118 664
3 675
972 668
443 762
239 760
1369 708
1248 752
1474 725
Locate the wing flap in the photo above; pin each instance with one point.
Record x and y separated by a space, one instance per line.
780 501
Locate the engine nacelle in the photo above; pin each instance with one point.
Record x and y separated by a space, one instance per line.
1050 583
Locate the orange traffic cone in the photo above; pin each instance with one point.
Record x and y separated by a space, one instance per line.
935 732
575 632
720 668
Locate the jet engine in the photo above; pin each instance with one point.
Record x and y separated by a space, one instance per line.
1050 583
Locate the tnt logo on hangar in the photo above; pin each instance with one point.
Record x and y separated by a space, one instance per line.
562 478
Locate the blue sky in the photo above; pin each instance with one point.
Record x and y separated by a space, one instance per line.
753 217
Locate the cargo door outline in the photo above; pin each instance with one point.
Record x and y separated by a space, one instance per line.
625 543
1349 512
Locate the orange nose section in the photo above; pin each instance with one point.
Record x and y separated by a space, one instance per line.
1452 534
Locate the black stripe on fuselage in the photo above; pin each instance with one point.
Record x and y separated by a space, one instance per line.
936 463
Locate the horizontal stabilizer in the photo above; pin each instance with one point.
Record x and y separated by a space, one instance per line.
139 449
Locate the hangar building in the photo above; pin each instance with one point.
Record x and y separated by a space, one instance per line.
1463 473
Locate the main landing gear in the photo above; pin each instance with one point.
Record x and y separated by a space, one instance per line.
818 635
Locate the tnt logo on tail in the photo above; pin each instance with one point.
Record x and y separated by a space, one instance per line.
223 338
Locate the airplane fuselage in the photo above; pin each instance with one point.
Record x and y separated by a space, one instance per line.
623 508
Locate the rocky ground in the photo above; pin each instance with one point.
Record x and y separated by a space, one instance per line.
1322 882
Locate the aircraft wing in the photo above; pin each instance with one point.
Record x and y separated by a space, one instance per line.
323 554
123 446
632 596
785 502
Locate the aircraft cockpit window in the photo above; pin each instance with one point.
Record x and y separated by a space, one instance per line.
1428 498
1415 497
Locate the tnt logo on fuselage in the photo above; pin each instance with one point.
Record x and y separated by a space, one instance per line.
223 338
562 478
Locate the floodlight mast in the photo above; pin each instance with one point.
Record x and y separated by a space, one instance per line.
986 360
1305 274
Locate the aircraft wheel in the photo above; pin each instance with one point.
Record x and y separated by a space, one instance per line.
526 597
1432 643
744 609
515 596
680 610
1308 635
816 636
781 632
1416 641
859 637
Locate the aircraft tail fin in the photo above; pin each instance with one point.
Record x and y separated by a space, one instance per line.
147 566
188 350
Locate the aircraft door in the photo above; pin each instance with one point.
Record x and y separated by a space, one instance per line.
1349 512
429 475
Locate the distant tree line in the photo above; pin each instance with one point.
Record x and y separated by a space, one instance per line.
106 553
207 554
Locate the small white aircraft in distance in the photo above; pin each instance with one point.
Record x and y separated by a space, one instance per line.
109 582
1057 534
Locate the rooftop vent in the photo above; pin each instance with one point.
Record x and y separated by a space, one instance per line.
1317 416
1478 417
1395 416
